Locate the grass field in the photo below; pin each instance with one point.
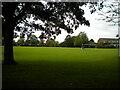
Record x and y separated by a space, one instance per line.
56 67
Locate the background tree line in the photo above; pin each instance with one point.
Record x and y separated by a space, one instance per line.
33 41
69 41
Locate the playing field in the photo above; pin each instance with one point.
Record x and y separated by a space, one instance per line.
57 67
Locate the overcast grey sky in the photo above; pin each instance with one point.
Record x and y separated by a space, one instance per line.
98 29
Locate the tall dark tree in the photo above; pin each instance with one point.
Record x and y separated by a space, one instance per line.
50 43
80 39
52 14
21 41
8 26
32 40
91 41
69 41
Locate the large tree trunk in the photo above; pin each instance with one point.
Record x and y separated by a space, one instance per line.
8 11
8 43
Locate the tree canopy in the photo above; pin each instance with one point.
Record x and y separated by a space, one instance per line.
21 41
81 39
108 10
32 40
69 41
75 41
54 17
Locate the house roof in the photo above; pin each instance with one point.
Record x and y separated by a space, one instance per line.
108 38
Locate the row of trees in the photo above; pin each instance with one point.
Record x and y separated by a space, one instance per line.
70 41
76 41
33 41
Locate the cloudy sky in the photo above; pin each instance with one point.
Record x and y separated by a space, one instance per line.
98 28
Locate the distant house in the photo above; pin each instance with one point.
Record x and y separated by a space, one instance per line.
110 41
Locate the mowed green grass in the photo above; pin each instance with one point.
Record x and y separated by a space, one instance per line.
57 67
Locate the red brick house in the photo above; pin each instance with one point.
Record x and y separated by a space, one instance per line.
111 41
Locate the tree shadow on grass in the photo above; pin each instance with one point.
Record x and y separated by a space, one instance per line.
45 74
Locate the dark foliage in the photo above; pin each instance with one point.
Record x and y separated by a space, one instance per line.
53 15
